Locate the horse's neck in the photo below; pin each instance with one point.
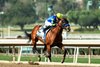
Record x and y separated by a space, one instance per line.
53 34
58 30
56 34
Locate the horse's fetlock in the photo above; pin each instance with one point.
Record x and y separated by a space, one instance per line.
47 54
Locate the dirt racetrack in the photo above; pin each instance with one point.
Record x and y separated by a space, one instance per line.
45 64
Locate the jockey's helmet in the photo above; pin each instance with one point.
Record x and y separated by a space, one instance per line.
59 15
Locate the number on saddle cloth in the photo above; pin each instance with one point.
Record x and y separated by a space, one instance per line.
40 32
43 31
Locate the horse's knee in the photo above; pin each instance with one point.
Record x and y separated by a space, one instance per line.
62 47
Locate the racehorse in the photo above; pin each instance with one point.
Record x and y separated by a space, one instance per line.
53 37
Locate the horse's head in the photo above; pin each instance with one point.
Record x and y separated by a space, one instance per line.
64 23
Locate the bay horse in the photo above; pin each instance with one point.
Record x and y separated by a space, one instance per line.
53 37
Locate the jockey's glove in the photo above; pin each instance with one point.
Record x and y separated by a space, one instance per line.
53 24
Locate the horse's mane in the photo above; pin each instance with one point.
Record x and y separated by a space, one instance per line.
65 20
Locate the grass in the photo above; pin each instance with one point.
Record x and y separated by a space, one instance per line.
86 31
54 59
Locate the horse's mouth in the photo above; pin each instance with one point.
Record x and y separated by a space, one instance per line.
67 29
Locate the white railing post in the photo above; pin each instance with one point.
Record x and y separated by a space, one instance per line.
13 51
89 55
74 55
19 54
77 53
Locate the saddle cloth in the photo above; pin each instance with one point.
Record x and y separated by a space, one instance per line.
41 33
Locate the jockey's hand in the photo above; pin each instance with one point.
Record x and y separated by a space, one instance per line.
53 24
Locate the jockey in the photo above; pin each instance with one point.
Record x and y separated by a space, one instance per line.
51 21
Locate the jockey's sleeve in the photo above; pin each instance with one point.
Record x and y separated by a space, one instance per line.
52 20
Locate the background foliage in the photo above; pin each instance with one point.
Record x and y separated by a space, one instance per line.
22 12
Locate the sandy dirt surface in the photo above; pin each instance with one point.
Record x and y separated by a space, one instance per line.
46 64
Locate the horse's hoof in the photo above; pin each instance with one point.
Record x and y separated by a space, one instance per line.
39 58
62 61
32 63
36 63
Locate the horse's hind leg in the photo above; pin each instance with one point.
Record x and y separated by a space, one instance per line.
34 49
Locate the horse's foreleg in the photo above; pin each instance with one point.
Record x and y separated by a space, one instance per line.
44 48
65 52
48 53
64 56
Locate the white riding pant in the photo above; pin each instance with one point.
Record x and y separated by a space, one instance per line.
48 23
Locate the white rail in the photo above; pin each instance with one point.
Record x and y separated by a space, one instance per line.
75 43
24 42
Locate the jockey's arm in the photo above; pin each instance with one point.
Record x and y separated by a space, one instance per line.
57 20
53 22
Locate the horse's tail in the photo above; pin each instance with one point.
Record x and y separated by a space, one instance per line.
28 35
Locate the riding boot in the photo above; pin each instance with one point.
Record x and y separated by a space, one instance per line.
45 28
42 29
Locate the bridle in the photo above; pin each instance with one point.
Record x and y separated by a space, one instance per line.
62 23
